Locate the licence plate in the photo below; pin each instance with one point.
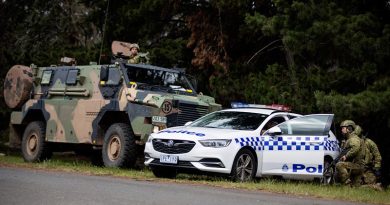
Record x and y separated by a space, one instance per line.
168 159
159 119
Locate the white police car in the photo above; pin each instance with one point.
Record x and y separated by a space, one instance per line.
238 142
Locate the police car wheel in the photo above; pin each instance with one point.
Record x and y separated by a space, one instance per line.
244 166
34 147
328 178
164 172
119 148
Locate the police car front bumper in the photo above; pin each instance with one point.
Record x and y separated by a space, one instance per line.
207 159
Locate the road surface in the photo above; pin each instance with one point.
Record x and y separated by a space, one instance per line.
26 186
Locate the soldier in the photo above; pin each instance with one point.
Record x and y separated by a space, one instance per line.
134 57
352 164
372 160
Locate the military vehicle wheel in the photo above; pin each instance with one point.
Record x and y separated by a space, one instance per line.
244 166
34 147
17 86
164 172
119 148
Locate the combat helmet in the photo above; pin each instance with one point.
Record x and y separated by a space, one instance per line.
347 123
134 45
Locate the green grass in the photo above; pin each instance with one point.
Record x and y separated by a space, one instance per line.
71 163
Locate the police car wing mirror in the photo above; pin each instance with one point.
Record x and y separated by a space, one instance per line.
274 131
188 123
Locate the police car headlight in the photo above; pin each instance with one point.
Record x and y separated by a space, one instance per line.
150 138
215 143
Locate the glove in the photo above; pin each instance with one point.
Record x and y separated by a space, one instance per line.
377 172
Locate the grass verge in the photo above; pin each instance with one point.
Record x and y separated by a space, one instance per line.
71 163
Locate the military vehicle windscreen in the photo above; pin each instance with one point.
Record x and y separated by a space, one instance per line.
165 80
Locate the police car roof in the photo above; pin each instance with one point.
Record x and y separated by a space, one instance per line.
266 111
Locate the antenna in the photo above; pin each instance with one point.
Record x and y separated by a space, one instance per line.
104 31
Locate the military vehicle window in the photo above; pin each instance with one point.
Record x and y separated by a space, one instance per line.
159 79
104 73
46 77
114 77
72 77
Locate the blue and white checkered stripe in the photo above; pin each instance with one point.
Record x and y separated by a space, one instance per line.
254 142
331 145
291 143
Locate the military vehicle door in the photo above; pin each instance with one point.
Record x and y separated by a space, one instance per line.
110 79
64 91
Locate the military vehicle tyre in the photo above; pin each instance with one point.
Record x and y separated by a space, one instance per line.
119 148
164 172
34 147
17 86
244 166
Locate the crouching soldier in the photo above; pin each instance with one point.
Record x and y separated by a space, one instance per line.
350 168
373 159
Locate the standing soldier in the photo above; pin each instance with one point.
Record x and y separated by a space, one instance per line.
372 160
134 57
352 164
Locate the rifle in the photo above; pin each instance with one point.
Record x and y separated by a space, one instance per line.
328 173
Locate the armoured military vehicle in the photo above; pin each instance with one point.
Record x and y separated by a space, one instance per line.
110 108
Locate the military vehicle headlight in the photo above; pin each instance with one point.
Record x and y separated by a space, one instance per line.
156 129
215 143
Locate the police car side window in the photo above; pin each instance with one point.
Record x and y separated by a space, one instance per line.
272 123
310 125
285 129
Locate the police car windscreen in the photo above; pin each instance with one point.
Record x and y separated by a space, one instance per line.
231 120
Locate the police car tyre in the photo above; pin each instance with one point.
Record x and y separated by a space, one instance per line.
328 178
34 148
244 166
164 172
119 147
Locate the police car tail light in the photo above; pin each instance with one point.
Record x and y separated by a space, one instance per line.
215 143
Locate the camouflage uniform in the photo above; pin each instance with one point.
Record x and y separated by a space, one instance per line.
372 160
353 166
134 59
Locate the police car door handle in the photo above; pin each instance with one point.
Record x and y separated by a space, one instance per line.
315 143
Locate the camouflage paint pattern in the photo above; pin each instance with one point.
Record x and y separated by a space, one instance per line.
17 85
78 104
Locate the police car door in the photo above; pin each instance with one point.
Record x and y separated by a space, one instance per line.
296 147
